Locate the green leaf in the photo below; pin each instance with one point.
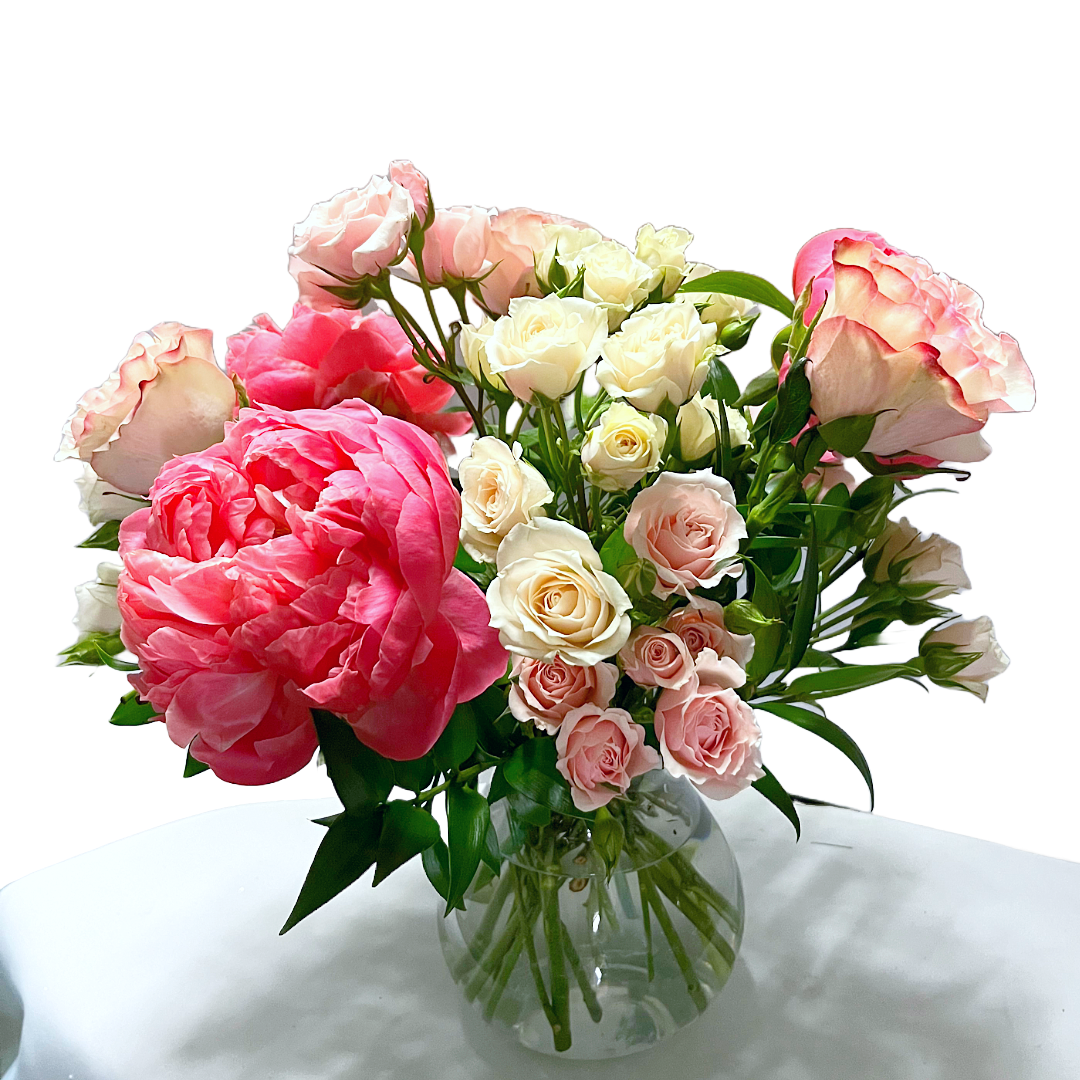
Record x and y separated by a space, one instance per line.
325 822
809 450
527 810
823 728
436 862
193 767
90 647
107 538
870 505
780 344
458 740
636 575
616 553
531 770
802 622
467 818
748 286
849 434
406 832
110 661
792 405
499 788
414 775
816 658
361 777
852 677
758 390
350 847
774 791
767 645
131 712
721 384
464 562
490 853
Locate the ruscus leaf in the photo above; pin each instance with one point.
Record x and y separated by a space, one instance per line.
775 792
748 286
361 777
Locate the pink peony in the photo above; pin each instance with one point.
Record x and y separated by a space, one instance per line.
167 397
701 626
335 589
546 691
600 752
896 338
652 657
322 358
707 732
686 524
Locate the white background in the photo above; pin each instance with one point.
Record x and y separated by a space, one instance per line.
158 155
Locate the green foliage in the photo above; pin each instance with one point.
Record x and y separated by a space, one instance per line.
792 404
608 838
131 712
192 767
361 777
635 574
464 562
748 286
95 649
774 791
406 832
849 434
851 677
721 384
467 819
458 740
735 334
758 390
531 771
105 538
802 622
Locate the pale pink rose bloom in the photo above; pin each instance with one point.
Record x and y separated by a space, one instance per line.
357 234
897 336
685 524
546 691
815 260
600 752
168 397
455 246
653 657
701 626
352 605
405 173
322 358
708 733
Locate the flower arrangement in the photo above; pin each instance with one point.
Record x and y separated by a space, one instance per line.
625 567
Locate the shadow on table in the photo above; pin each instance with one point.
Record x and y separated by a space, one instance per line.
798 1007
11 1021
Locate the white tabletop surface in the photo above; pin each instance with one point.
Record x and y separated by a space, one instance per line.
874 950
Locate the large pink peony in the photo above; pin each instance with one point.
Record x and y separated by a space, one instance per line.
306 561
322 358
898 339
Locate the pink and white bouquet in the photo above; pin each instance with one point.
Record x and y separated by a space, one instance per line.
625 566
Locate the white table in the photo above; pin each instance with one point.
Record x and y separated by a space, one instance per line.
874 950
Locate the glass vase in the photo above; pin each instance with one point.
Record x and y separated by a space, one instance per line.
577 957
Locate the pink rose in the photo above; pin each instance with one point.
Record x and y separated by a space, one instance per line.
405 173
815 261
600 752
652 657
322 358
708 733
456 245
357 234
685 524
168 397
701 626
352 605
546 691
898 337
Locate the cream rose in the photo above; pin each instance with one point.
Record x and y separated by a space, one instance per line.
941 648
565 244
472 346
616 279
498 491
623 447
168 397
654 657
543 345
551 596
716 308
546 691
665 250
686 525
699 424
101 501
926 567
661 354
701 626
708 733
98 612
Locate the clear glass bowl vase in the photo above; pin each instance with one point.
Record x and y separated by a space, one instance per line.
583 962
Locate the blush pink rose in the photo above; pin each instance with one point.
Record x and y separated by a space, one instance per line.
405 173
686 524
700 624
545 691
708 733
358 234
322 358
456 245
815 260
600 752
900 339
652 657
352 605
168 397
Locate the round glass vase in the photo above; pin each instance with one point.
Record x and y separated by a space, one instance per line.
575 958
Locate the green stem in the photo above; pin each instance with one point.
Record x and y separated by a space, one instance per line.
647 919
520 424
693 984
457 778
560 986
586 987
507 969
482 937
489 966
520 888
696 916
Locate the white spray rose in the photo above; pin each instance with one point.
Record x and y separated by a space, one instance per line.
665 250
616 279
717 308
498 491
472 344
102 502
623 447
927 567
552 598
699 423
661 354
543 346
564 243
943 647
98 612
